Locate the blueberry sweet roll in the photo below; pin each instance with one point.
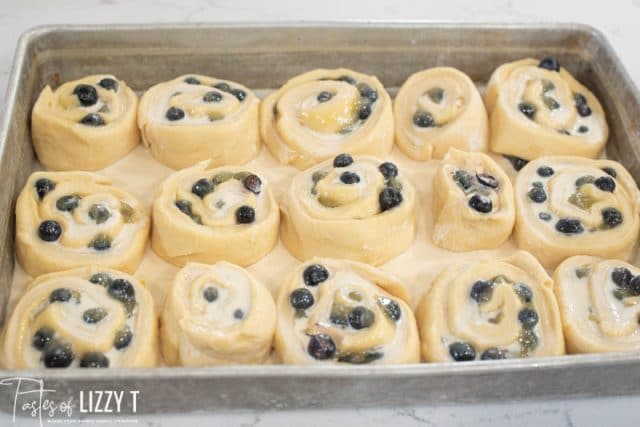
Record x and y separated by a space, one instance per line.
210 215
472 202
322 113
217 314
85 124
358 208
436 109
537 108
89 317
194 118
344 312
71 219
489 310
569 206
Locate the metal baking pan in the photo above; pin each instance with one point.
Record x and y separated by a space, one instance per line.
263 56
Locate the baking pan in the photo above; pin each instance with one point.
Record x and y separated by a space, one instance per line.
263 56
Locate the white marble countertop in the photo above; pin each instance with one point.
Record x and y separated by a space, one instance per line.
617 20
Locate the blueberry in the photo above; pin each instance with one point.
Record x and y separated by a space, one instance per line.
57 355
422 119
213 96
611 217
581 105
121 290
342 160
99 213
463 179
364 112
388 170
545 171
94 359
101 242
192 81
527 109
42 337
93 119
94 315
389 198
314 274
321 347
210 294
488 180
523 292
435 94
462 351
184 206
569 226
109 84
301 299
174 113
481 203
238 314
517 162
481 291
43 186
537 194
324 96
245 215
391 308
67 203
549 63
610 171
583 129
252 183
239 94
368 92
605 183
349 178
347 79
361 317
621 276
494 353
544 216
202 187
49 231
123 338
528 318
223 87
634 286
87 95
551 103
102 279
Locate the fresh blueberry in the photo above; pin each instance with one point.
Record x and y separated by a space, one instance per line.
545 216
582 107
238 314
94 315
481 291
94 359
42 337
391 308
435 94
192 81
621 276
57 355
364 112
342 160
213 96
86 94
324 96
523 292
174 113
314 274
361 317
252 183
245 215
102 279
223 87
634 286
528 318
611 217
99 213
517 162
583 129
349 178
121 290
43 186
321 347
545 171
494 353
463 179
462 351
605 183
184 206
569 226
388 170
49 231
202 187
101 242
67 203
610 171
488 180
109 84
123 338
389 198
549 63
301 299
368 92
239 94
93 119
527 109
422 119
347 79
210 294
481 203
537 194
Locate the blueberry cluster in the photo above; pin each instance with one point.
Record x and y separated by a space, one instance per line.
175 113
627 285
424 119
88 96
479 186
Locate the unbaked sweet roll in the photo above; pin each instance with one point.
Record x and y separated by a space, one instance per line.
71 219
193 118
489 310
322 113
356 208
90 317
217 314
536 108
436 109
574 206
85 124
338 311
210 215
472 202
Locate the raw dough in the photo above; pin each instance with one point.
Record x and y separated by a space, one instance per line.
436 109
213 119
217 314
63 142
322 113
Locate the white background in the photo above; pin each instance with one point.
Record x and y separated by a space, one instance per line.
618 20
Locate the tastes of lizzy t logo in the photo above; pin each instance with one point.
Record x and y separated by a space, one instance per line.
32 399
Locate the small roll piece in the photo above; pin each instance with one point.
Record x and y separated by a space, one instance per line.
85 124
215 315
358 208
437 109
569 206
66 220
344 312
322 113
194 118
473 203
210 215
490 310
89 317
537 108
598 301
